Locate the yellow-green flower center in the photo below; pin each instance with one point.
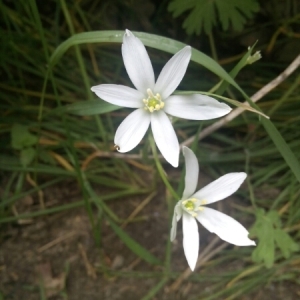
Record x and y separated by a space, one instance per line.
193 206
190 205
153 102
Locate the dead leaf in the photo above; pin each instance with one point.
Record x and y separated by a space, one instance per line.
52 285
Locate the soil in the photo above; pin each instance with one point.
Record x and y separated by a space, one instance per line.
56 257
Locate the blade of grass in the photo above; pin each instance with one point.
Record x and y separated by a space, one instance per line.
151 40
154 290
89 108
133 245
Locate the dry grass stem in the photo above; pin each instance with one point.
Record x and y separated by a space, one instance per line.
257 96
56 241
89 268
138 209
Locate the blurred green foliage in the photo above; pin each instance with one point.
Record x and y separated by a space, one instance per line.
268 229
205 14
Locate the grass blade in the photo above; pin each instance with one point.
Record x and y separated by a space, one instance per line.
133 245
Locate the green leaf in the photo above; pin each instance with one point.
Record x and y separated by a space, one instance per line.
89 108
205 13
45 157
26 156
268 230
151 40
285 243
21 137
263 229
282 147
133 245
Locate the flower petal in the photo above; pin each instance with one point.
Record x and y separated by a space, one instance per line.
172 73
176 217
119 95
178 211
227 228
165 137
221 188
191 172
190 239
137 63
132 129
195 107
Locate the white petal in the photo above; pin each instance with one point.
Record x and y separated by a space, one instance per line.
137 63
191 172
176 217
221 188
195 107
190 239
132 129
178 211
172 73
227 228
165 137
119 95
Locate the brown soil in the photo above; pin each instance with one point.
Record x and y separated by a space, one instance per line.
57 255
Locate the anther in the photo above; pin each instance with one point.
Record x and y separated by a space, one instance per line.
150 94
153 103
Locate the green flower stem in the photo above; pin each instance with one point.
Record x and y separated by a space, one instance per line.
251 192
160 168
170 213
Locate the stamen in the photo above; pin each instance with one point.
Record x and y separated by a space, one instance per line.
153 103
150 94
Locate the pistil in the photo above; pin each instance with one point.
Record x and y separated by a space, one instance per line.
153 102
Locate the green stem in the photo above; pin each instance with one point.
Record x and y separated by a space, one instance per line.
212 46
252 198
160 169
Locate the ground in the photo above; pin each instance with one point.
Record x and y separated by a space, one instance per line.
55 256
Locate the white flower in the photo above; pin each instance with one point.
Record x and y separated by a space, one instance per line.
192 207
153 99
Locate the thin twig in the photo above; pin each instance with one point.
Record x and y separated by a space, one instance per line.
257 96
89 268
40 192
56 241
138 209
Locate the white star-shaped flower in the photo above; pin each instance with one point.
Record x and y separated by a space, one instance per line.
153 100
193 206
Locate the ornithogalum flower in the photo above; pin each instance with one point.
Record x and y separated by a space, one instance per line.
193 207
153 100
